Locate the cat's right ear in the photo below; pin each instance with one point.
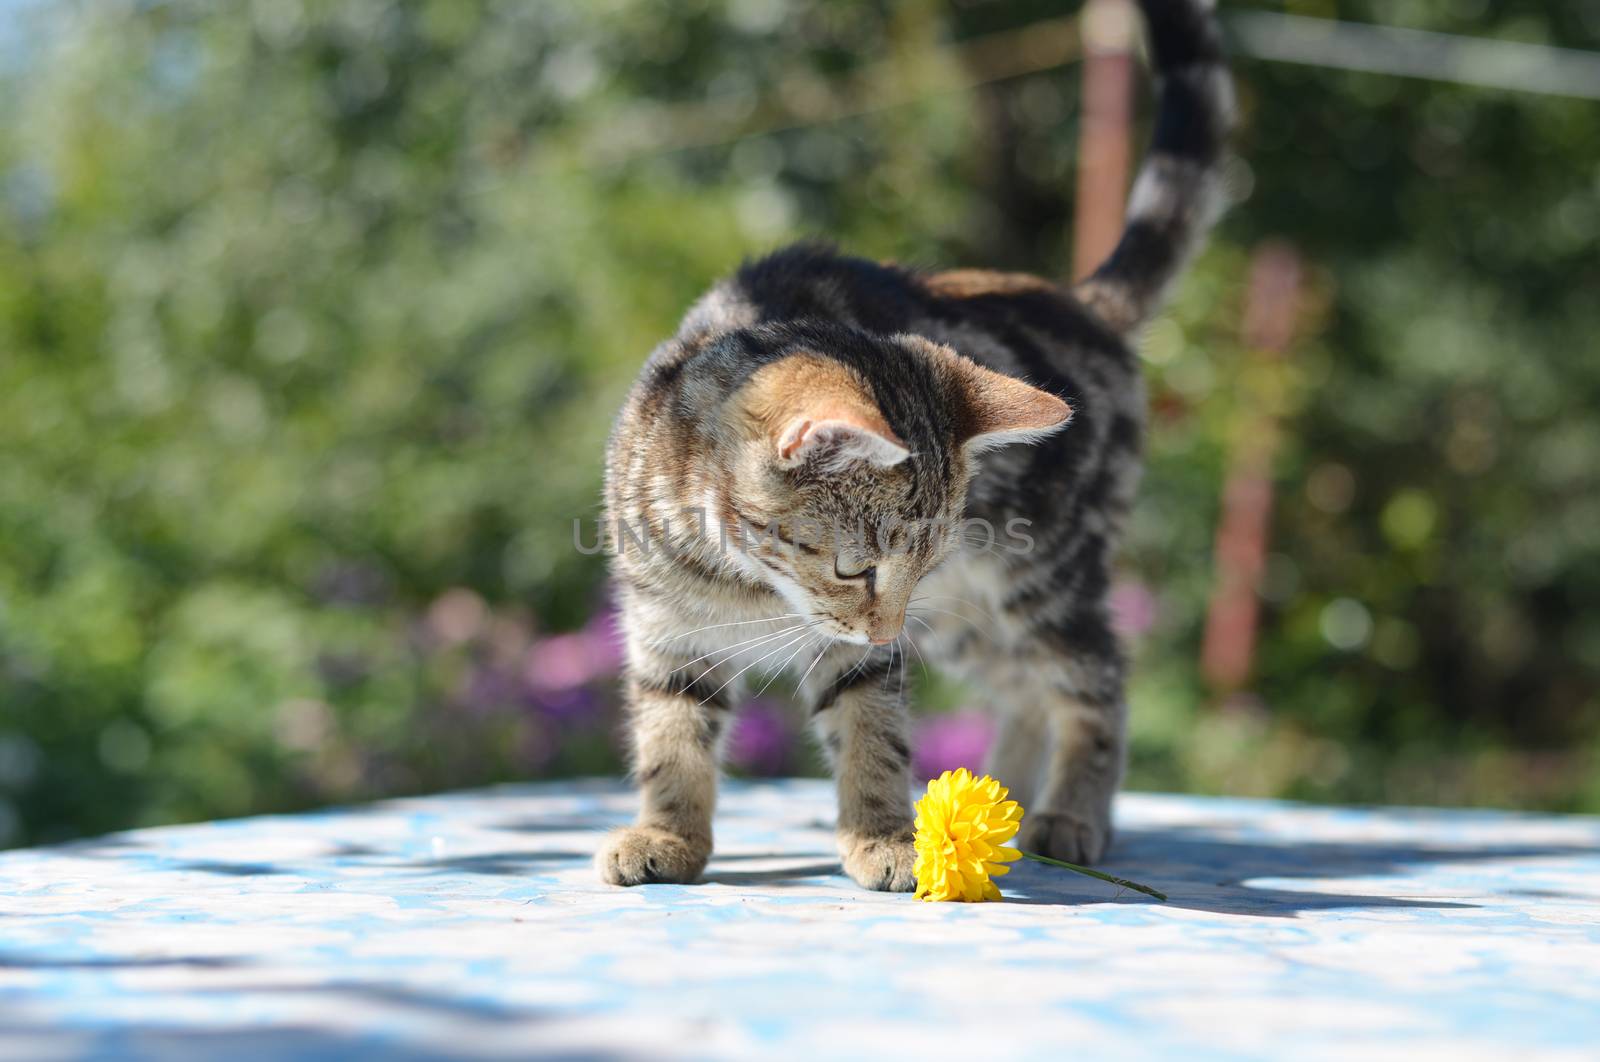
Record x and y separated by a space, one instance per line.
994 409
1001 410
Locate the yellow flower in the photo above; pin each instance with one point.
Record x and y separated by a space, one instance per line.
962 822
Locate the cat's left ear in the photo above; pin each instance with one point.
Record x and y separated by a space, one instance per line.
996 409
815 410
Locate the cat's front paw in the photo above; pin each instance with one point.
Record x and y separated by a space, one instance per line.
1062 836
642 855
885 864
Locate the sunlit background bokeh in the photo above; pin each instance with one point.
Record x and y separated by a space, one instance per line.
314 316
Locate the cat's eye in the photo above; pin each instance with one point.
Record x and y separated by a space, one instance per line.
854 568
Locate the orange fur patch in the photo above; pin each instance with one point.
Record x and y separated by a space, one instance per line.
814 388
973 283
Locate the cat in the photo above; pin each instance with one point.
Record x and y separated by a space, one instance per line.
825 450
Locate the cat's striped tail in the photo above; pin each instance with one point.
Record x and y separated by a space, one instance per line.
1178 194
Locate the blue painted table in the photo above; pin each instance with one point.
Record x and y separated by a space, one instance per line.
471 925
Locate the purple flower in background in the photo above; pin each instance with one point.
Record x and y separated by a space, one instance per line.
760 740
566 661
606 631
559 663
946 742
569 706
1133 608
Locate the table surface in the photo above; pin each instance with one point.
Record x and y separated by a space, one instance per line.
471 925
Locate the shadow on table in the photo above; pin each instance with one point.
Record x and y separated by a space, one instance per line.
1197 871
454 1020
796 868
790 873
113 963
1207 873
26 1040
1196 868
507 863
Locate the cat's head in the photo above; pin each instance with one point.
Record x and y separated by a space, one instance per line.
856 451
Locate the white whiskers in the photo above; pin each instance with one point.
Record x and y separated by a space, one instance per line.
804 645
952 597
735 623
767 655
737 647
800 686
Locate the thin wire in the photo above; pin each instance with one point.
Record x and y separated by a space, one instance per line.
1049 44
1480 61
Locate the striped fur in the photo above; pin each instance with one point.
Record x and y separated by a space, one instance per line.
1177 194
812 392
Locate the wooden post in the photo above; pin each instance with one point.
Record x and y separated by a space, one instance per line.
1108 28
1271 307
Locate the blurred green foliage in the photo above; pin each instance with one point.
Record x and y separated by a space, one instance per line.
313 317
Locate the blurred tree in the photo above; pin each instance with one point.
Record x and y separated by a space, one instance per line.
313 317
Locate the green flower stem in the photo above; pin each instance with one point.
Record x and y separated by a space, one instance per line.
1124 882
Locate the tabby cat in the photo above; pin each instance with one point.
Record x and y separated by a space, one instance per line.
829 446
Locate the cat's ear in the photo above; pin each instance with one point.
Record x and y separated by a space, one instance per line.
1002 409
841 436
816 409
995 409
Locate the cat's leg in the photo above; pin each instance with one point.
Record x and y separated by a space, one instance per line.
1021 724
1052 672
1016 756
1074 688
860 716
677 713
